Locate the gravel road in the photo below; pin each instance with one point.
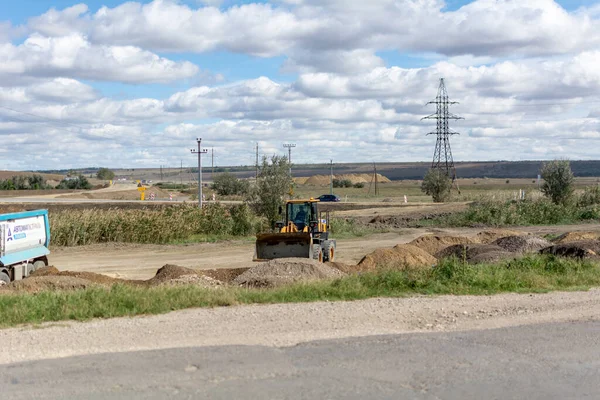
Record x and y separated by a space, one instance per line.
290 324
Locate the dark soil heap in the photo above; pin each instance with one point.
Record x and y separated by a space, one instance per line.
589 249
475 253
522 244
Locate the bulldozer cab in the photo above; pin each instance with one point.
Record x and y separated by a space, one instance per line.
301 214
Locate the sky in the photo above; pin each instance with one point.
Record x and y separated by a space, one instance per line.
133 84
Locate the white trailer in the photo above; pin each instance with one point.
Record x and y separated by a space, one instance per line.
24 240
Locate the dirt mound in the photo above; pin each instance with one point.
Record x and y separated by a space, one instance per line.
402 256
522 244
45 271
475 253
223 274
434 244
487 237
345 268
569 237
88 276
197 280
91 277
579 249
170 272
301 180
321 180
285 271
37 284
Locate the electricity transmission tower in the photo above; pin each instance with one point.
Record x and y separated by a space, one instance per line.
200 151
442 156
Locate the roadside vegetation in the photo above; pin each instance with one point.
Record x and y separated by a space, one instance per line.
153 225
580 209
451 276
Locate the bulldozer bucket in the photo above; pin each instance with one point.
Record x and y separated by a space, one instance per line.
283 245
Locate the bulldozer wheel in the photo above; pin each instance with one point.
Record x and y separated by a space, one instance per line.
329 251
317 253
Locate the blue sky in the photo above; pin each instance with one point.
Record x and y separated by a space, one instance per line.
329 77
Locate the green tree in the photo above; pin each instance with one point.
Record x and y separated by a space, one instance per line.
105 174
437 185
227 184
558 181
37 182
273 182
80 182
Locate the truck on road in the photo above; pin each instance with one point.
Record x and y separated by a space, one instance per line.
24 240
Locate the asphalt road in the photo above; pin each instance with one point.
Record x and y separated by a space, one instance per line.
548 361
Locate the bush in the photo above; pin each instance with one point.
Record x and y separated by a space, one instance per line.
80 182
105 174
227 184
558 181
437 185
359 185
589 197
342 183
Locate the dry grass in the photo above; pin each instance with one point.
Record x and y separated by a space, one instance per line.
151 225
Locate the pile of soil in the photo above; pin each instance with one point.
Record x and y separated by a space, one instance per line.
170 272
401 257
589 249
522 244
224 274
37 284
488 236
475 253
345 268
434 244
198 280
321 180
91 277
284 271
45 271
569 237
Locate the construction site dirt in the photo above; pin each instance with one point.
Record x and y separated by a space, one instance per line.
140 261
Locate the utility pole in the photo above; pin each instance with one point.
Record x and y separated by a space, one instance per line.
289 147
376 189
181 173
200 151
331 177
257 161
161 174
212 163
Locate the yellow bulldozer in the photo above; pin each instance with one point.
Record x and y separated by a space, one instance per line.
303 232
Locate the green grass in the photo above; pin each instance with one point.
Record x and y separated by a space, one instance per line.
342 228
511 213
530 274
